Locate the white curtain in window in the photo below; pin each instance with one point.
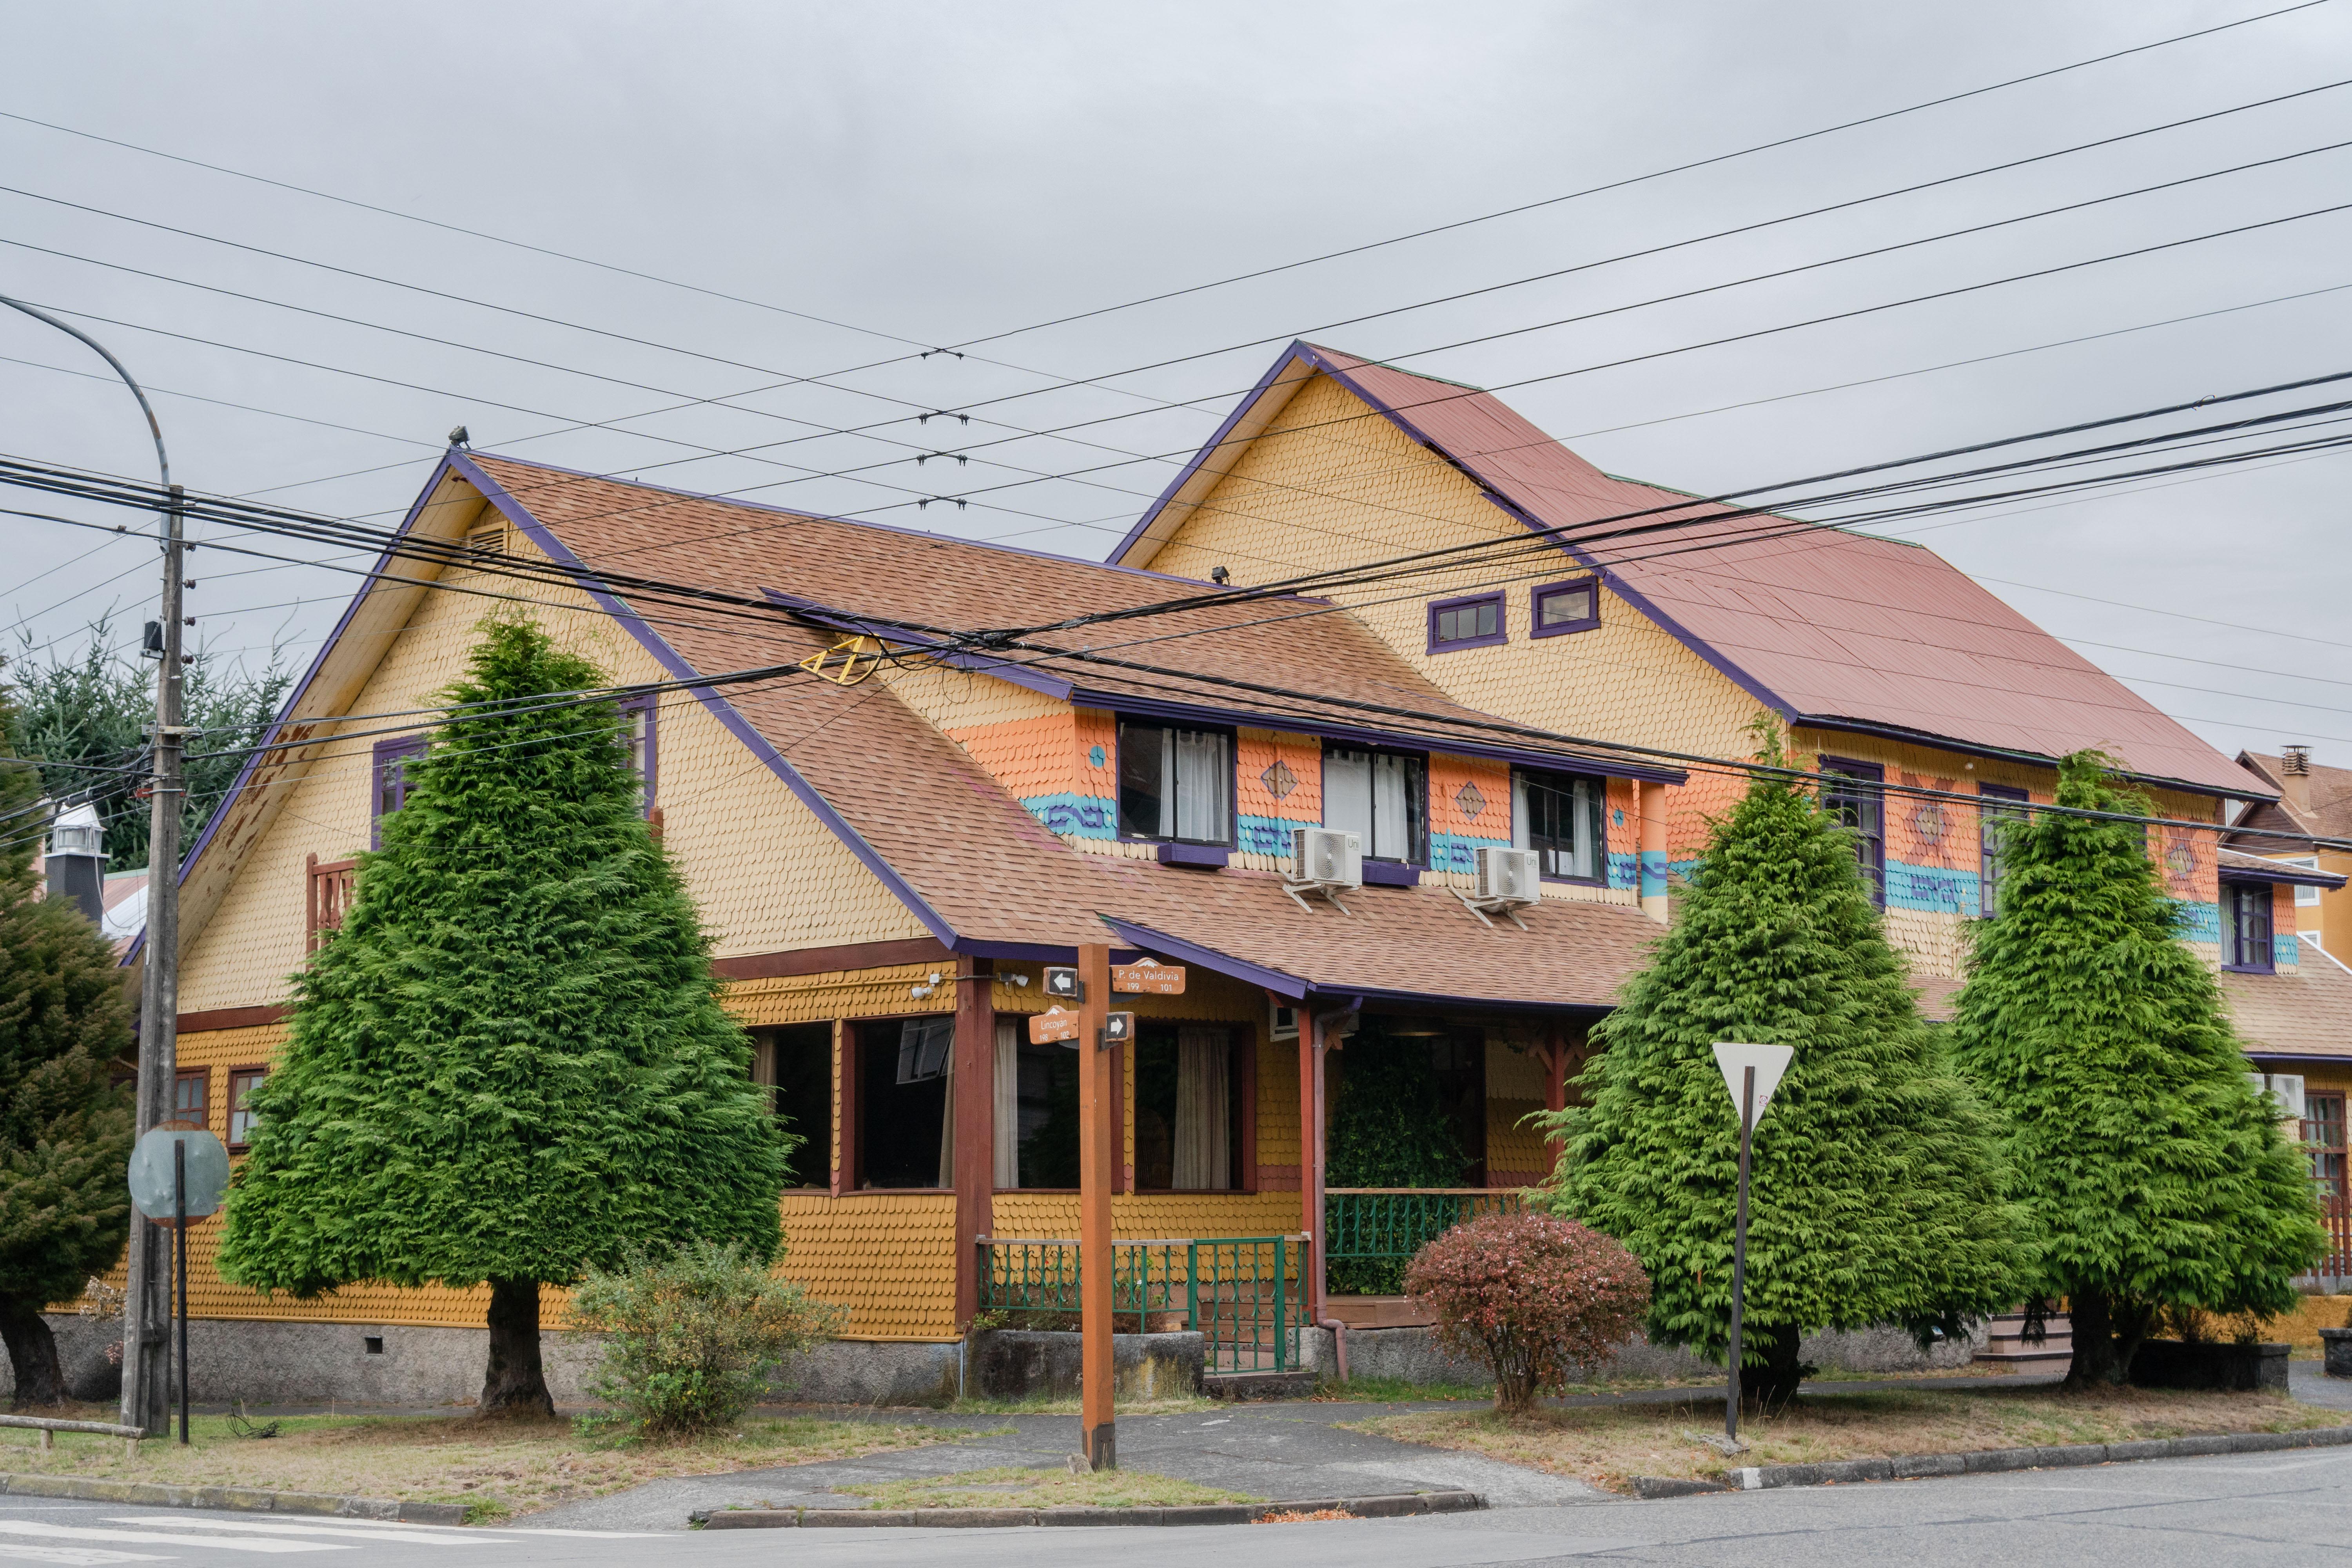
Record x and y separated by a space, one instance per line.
1200 773
1348 794
1388 838
1203 1153
1580 835
947 1124
1008 1102
1520 839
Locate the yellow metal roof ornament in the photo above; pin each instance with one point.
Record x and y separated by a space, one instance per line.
846 662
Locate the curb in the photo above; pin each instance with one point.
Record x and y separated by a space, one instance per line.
1393 1505
1980 1461
233 1500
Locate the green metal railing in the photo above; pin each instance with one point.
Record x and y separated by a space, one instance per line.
1369 1234
1245 1295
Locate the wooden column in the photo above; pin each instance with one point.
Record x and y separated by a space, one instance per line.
1311 1141
845 1099
975 1126
1554 1066
1099 1150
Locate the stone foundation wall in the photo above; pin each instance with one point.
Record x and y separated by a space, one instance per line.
1413 1355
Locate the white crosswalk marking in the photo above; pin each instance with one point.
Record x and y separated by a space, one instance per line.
74 1556
158 1538
357 1530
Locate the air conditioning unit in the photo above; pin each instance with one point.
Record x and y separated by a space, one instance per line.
1509 876
1325 860
1507 880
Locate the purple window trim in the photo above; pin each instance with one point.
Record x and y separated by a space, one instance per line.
644 703
2232 895
1865 783
1120 722
1599 877
1502 633
1416 820
1536 628
390 754
1988 860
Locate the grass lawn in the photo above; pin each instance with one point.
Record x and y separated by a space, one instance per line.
499 1469
1042 1489
1607 1444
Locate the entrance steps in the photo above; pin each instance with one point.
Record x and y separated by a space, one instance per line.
2005 1344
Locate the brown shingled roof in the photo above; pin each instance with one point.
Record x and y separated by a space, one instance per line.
2306 1013
1827 626
2328 811
982 867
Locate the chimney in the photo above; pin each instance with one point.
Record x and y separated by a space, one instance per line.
76 864
2294 777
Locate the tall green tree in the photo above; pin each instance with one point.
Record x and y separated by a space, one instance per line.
1876 1189
510 1063
65 1129
2153 1174
83 715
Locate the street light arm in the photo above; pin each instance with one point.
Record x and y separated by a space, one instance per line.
155 428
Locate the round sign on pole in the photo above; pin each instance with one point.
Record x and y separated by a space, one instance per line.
150 1173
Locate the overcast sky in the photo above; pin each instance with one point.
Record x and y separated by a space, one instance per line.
880 178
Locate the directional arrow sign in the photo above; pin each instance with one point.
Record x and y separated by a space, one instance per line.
1053 1026
1147 977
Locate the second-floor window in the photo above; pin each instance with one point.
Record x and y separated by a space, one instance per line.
1559 816
242 1082
1566 607
2246 926
1473 622
637 734
1851 793
2003 808
1383 797
1175 784
2305 897
396 760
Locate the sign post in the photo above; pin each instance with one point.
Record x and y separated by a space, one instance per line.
1751 1073
1098 1129
178 1173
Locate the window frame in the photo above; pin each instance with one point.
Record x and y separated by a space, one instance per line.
1864 782
2306 897
2328 1161
1124 722
863 1037
1501 634
1241 1090
256 1073
1536 628
2233 938
203 1078
649 774
1599 877
1988 859
1416 813
388 754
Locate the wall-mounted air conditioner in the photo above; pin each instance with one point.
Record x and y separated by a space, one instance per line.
1325 860
1507 880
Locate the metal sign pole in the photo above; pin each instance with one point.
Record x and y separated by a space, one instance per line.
1739 1253
1098 1149
180 1243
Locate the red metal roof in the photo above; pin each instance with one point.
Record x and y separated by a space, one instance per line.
1827 626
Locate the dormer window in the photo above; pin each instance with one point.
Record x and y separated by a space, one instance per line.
2246 928
1383 797
1175 786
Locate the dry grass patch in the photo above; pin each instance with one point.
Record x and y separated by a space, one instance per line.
497 1468
1006 1487
1608 1445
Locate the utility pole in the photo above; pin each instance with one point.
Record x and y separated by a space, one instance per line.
147 1304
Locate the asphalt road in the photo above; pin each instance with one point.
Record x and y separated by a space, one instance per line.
2268 1509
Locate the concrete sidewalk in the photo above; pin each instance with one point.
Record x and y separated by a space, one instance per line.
1276 1451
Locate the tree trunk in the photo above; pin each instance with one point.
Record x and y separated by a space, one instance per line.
515 1384
1773 1385
2096 1364
33 1353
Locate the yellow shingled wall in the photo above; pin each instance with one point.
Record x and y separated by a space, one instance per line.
764 872
1312 494
890 1258
1151 1216
1516 1155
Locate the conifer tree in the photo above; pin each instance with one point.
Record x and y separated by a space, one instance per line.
1875 1194
65 1129
510 1063
2152 1174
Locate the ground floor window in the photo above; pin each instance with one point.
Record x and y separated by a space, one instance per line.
242 1082
795 1066
905 1086
1036 1110
2323 1135
1188 1109
1405 1098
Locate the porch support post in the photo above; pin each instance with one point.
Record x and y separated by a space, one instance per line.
1652 857
1310 1155
1555 1061
975 1126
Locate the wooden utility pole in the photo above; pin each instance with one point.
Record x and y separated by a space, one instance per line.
1099 1151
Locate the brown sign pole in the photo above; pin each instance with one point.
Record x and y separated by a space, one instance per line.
1098 1129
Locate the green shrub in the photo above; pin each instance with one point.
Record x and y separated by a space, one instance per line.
692 1337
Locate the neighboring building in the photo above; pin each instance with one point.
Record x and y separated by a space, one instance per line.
888 850
2314 803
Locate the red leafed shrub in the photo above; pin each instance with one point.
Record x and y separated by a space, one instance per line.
1533 1296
